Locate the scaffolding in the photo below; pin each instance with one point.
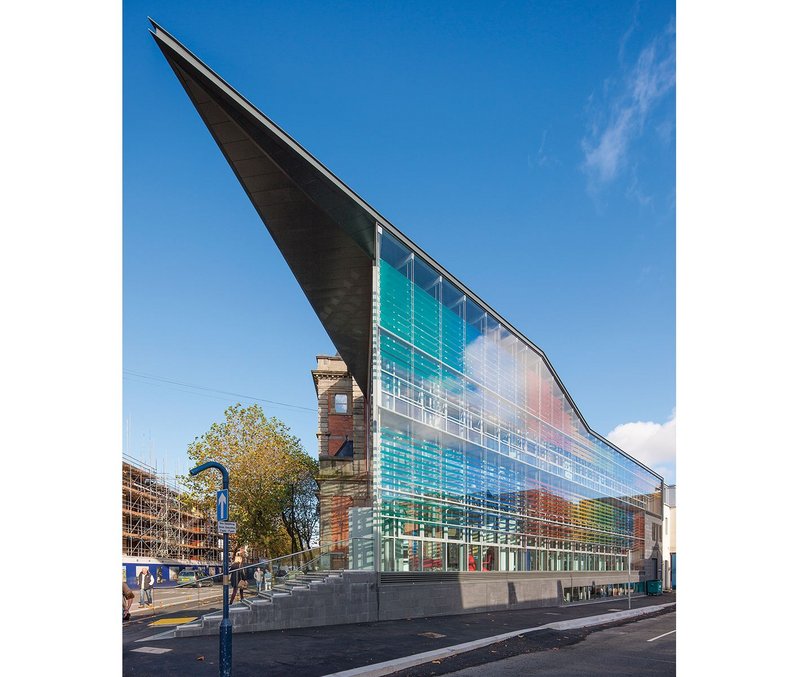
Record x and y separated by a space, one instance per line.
158 524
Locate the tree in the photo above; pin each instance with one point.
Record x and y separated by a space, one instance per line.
300 506
270 478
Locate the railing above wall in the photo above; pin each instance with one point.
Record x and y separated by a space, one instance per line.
412 577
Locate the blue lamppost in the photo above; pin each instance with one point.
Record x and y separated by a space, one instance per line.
226 628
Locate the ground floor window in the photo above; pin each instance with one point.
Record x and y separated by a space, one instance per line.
432 554
582 593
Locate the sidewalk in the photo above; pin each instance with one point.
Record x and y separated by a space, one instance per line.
359 649
165 599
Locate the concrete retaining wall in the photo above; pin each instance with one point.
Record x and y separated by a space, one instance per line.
495 592
356 597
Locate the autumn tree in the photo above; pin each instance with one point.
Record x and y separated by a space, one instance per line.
272 485
300 507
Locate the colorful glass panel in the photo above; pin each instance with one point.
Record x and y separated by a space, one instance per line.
477 448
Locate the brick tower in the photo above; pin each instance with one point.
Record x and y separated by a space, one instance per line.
343 464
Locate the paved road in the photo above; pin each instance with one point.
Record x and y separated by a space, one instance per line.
644 648
314 652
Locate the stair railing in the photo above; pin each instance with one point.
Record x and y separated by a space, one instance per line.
350 554
346 555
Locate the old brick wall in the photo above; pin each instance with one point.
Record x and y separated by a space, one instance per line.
343 481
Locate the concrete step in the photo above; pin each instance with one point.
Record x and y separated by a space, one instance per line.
272 594
319 578
197 625
316 573
281 589
250 602
269 607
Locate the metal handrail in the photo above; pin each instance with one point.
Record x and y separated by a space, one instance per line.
303 568
270 562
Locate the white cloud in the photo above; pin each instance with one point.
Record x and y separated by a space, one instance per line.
654 444
648 81
603 160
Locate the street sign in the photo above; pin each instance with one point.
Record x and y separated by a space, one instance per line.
221 505
226 527
225 627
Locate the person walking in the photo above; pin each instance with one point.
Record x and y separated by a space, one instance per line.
140 581
267 578
238 580
127 600
148 587
259 578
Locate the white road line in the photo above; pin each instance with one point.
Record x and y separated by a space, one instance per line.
152 649
169 634
659 636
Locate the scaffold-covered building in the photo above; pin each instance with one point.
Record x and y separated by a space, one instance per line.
159 530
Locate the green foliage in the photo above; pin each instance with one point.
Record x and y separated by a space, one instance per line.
272 490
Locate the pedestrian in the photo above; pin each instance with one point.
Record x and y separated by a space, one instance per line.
488 564
238 580
267 579
259 578
140 580
127 600
148 587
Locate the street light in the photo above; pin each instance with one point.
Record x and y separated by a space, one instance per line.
225 628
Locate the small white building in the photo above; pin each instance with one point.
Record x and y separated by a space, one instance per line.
670 537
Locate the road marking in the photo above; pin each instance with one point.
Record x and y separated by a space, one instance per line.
173 621
169 634
151 649
431 635
659 636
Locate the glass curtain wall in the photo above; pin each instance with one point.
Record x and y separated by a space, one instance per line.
481 464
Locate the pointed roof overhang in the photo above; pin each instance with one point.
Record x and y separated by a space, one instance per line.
324 231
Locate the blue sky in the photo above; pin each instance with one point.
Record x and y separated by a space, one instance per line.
528 147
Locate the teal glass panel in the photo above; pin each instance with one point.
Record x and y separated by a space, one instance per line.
395 301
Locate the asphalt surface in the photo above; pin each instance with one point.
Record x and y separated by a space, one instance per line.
641 648
315 652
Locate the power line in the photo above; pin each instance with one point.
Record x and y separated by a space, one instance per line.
215 390
180 389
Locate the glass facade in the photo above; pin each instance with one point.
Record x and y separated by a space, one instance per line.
480 461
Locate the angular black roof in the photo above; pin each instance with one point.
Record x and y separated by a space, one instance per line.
324 231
